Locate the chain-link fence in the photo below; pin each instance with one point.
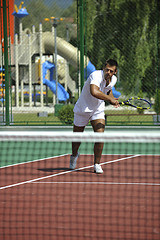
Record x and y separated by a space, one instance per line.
127 31
43 59
46 41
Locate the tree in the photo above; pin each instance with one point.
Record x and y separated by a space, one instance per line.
125 30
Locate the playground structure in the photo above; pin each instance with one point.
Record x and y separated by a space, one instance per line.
32 61
29 58
2 90
29 52
28 55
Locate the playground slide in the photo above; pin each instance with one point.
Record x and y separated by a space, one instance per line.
62 94
70 53
65 50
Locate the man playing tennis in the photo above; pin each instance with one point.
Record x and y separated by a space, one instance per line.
90 107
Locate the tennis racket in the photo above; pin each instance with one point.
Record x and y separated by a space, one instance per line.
137 102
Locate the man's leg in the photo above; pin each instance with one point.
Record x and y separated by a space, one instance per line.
80 121
75 145
98 126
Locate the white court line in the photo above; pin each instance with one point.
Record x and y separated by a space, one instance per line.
42 159
62 173
103 183
32 161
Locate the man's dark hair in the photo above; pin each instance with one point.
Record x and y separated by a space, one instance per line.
111 62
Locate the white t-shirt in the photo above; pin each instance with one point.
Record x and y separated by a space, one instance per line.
86 102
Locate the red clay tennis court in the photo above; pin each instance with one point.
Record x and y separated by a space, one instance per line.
43 199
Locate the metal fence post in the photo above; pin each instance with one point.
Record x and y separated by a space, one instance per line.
6 62
81 44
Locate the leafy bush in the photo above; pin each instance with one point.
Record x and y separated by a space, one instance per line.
157 102
140 95
65 114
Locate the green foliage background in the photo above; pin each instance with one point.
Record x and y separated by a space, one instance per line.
123 29
127 31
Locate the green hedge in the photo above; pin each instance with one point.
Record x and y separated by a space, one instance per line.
157 102
66 114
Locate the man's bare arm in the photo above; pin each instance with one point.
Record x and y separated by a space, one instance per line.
95 92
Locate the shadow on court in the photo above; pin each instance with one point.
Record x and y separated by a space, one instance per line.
52 169
64 169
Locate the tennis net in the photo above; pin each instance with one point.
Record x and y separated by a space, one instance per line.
41 198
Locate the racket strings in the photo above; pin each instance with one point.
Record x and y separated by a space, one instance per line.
140 103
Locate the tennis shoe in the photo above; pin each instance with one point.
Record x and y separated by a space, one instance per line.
98 168
73 161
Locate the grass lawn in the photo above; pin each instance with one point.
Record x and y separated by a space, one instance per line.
113 118
33 119
129 119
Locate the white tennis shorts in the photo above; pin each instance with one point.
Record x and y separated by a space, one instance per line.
83 120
